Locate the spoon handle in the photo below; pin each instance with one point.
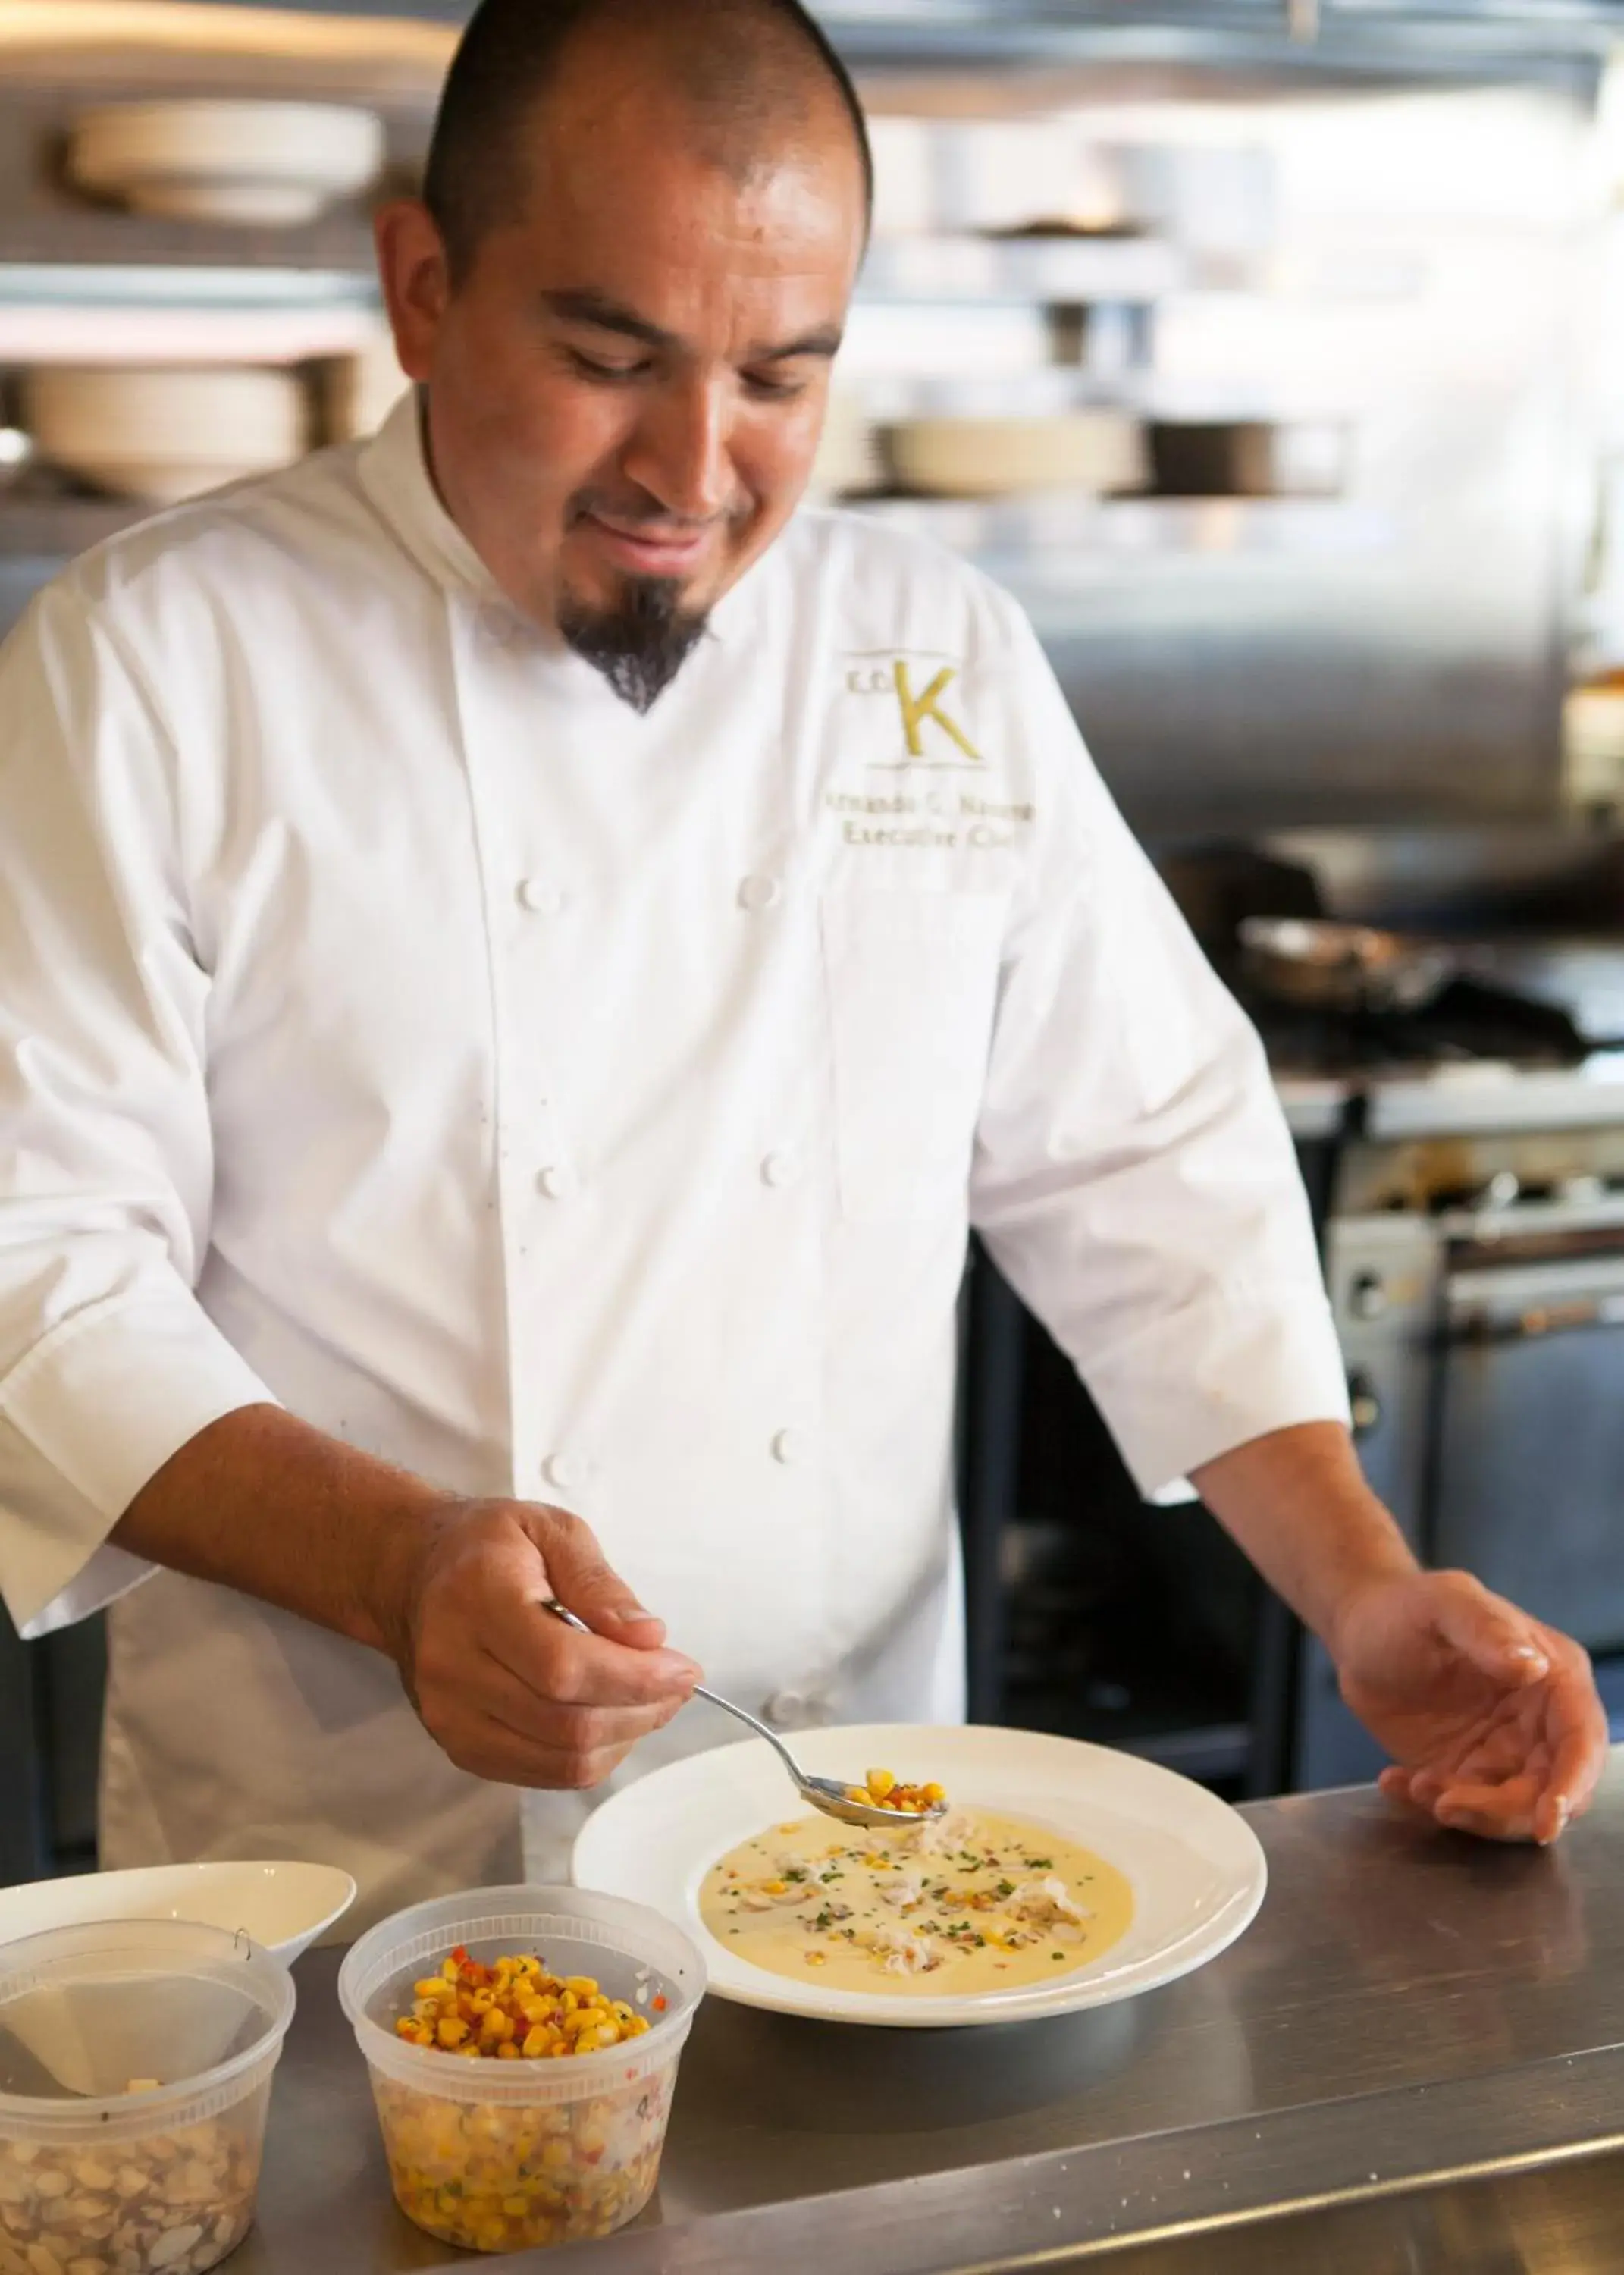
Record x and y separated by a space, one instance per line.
562 1612
760 1728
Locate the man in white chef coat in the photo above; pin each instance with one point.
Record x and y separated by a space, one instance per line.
521 957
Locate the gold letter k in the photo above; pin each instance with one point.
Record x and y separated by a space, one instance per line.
918 709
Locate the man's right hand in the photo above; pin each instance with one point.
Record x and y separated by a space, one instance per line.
509 1692
452 1589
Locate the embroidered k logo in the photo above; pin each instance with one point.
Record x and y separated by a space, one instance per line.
918 709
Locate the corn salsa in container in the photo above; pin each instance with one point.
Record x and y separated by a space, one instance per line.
492 2148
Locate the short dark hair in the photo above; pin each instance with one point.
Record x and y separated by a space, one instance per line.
507 59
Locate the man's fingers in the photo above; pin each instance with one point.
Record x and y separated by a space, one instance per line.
585 1582
554 1661
1580 1722
1397 1786
560 1725
509 1691
1485 1826
1501 1811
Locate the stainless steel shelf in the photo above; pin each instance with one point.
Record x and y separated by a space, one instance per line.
70 237
53 255
237 285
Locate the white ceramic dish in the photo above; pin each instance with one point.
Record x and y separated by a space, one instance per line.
252 162
284 1906
164 433
1197 1872
992 457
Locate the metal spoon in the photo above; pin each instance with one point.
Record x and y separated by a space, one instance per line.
826 1793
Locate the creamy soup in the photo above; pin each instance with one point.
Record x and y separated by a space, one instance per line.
965 1903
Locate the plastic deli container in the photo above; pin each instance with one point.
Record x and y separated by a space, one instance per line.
135 2074
502 2156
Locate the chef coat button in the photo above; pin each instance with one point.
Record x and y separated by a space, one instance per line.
785 1710
780 1168
557 1181
541 898
501 627
789 1448
565 1470
759 892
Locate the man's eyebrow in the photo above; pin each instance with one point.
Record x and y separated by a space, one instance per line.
824 342
585 307
607 315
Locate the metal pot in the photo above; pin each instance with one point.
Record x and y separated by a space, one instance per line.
1342 967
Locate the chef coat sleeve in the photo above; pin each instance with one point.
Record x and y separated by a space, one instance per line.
108 1364
1134 1177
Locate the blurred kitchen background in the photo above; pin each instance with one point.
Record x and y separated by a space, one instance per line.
1272 353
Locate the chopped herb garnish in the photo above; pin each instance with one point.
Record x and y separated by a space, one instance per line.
794 1873
1005 1888
825 1918
1057 1955
1041 1863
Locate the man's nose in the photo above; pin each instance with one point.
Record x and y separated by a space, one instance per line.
680 454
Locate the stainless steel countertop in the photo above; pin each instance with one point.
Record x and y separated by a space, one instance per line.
1477 1098
1409 2008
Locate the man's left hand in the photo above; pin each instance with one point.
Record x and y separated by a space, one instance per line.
1492 1719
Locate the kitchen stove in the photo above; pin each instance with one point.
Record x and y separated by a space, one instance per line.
1473 1205
1466 1162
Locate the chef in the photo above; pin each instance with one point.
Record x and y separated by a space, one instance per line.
521 958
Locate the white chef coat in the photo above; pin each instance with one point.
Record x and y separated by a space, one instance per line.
579 1105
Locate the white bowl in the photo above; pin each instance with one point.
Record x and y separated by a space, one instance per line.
1196 1868
1097 451
284 1906
164 433
259 163
988 458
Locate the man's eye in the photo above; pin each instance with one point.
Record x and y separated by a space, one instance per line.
767 388
594 368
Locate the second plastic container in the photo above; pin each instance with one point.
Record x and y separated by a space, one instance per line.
135 2073
506 2156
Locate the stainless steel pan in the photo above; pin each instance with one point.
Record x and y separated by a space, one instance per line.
1342 967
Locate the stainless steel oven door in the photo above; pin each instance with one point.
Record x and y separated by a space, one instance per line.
1529 1483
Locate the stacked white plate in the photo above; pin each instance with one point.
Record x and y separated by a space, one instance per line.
262 162
1101 451
164 434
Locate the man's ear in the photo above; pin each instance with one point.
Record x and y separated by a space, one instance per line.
415 277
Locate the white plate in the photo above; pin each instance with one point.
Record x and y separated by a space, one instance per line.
232 162
284 1906
1196 1871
